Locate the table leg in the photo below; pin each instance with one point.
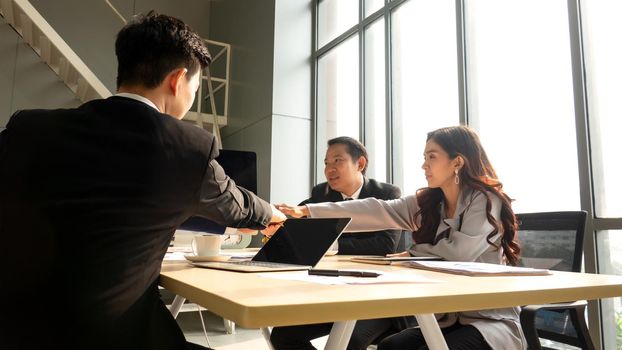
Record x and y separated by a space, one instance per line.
265 331
229 326
176 305
340 335
431 332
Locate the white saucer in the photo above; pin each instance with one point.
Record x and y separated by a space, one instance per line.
195 258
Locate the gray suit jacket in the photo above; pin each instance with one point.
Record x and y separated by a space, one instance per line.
466 241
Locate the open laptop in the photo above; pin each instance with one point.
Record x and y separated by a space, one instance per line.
298 245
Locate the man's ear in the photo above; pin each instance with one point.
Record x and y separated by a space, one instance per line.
361 163
175 79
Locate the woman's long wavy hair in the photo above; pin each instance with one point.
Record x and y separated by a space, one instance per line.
477 174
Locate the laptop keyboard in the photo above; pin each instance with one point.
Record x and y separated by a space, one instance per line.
260 263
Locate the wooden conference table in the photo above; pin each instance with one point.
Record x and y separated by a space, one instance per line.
253 301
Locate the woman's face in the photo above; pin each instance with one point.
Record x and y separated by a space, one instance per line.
438 168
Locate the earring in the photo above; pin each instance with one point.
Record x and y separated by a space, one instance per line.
456 178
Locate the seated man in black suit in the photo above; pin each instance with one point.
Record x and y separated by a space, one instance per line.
91 197
345 165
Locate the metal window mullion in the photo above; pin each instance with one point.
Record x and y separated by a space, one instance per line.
361 31
338 40
314 93
391 5
388 94
583 156
462 63
603 224
392 162
357 27
582 127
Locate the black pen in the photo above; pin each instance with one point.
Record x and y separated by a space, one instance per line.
335 273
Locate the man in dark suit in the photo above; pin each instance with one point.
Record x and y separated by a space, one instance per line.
345 165
91 197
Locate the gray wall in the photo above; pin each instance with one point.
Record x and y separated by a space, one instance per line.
270 98
25 80
269 110
291 102
249 27
90 26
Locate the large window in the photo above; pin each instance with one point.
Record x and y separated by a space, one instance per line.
603 33
538 79
425 82
375 101
335 17
337 93
521 99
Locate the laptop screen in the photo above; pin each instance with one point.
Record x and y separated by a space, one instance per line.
302 241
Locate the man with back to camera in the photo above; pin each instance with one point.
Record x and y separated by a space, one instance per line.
91 197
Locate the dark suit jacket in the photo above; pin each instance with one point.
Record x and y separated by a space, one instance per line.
90 199
364 243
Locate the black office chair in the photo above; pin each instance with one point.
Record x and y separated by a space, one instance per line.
554 240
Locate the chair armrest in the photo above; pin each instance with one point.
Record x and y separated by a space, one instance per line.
577 317
579 304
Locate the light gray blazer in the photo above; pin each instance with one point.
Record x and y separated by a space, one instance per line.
466 242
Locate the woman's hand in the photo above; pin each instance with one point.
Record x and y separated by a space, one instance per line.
397 255
293 211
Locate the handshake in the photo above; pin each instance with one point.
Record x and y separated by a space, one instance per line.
280 212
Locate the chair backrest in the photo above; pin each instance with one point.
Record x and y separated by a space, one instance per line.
552 240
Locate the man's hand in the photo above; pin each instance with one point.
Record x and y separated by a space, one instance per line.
271 229
247 231
294 211
397 255
277 220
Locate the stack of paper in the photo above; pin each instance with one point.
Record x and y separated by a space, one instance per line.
475 268
386 260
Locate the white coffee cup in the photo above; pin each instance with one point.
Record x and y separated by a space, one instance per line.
206 245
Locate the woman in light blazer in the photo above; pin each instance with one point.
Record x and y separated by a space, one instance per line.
463 215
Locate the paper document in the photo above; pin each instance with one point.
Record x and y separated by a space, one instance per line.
475 268
174 256
385 277
384 260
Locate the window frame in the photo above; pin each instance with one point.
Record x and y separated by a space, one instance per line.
586 183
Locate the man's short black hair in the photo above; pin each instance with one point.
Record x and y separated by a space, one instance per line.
354 148
151 46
